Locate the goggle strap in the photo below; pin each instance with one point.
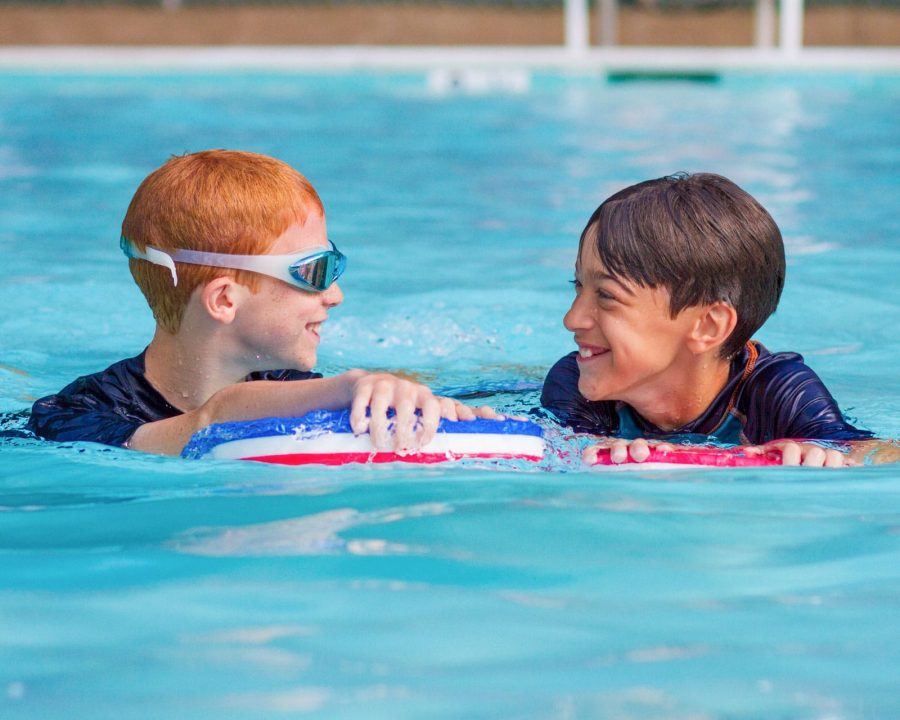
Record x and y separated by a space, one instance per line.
158 257
334 262
152 255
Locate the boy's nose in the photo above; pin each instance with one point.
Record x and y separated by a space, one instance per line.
332 295
577 317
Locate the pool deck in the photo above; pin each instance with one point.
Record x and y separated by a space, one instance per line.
356 57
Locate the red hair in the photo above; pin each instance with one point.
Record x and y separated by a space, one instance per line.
223 201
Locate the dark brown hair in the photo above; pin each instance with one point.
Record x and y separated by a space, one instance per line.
699 236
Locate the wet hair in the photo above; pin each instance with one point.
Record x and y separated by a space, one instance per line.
222 201
699 236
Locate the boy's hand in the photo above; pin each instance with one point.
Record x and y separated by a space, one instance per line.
455 410
795 453
355 388
792 453
620 450
380 391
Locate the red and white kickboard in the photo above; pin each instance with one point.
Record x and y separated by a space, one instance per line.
693 456
324 437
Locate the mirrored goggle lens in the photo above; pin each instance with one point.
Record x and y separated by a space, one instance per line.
319 272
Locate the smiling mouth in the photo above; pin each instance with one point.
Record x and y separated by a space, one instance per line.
585 353
314 327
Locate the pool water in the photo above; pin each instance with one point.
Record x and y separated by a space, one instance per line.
135 586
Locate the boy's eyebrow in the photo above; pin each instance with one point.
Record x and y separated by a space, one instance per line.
606 277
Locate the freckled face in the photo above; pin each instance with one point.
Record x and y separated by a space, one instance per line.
629 347
279 324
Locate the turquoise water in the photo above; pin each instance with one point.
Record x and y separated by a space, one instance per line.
135 586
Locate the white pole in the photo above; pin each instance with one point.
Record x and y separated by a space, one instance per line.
765 23
577 26
791 26
609 21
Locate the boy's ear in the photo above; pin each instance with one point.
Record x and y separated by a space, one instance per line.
713 326
219 298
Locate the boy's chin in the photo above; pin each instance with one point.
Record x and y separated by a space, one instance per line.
304 364
590 392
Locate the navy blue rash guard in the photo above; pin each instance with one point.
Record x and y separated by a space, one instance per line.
769 397
109 406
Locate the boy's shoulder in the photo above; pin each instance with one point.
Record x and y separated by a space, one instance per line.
123 382
108 406
773 374
782 397
767 363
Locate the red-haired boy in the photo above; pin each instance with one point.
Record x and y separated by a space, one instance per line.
231 252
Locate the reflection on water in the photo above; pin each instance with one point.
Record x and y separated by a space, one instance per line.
140 587
313 535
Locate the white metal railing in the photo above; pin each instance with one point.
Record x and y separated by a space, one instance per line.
578 27
764 34
608 11
790 25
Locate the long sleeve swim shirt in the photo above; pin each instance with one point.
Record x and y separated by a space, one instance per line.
768 396
109 406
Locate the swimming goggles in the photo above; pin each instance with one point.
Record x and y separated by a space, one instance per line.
313 272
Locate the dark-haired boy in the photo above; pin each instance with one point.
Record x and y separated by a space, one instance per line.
673 277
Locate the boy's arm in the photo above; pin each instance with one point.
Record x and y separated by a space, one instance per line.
792 452
243 401
355 389
808 454
812 454
788 401
875 451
